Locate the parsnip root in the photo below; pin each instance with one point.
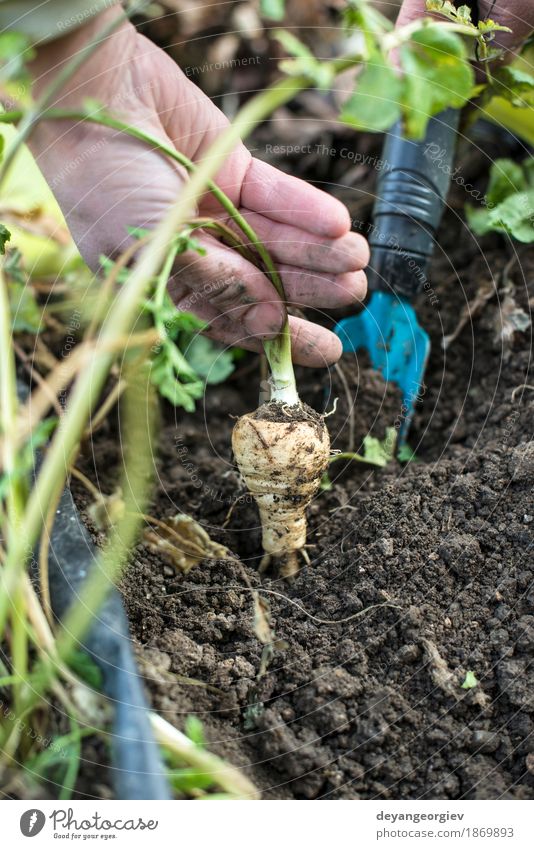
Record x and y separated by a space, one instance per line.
282 453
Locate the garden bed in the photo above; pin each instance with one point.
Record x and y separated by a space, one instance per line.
427 567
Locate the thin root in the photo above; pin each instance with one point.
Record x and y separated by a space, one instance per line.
290 566
525 386
332 411
264 564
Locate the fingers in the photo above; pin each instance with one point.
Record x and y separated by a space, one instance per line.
287 199
311 344
315 289
228 282
289 244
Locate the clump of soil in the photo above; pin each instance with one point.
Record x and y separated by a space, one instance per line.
419 575
275 411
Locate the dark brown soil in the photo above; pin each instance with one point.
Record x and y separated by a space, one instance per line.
419 573
274 411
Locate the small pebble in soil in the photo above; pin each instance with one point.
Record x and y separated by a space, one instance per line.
408 653
525 629
462 554
484 741
521 462
385 546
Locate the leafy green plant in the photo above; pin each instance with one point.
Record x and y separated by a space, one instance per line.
5 236
508 203
483 32
25 312
435 65
469 681
434 61
15 53
59 763
183 362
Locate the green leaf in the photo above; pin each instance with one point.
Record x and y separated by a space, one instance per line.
405 454
361 15
437 74
5 236
208 360
512 84
448 10
195 730
15 51
60 761
326 484
515 216
380 452
506 178
305 63
470 681
273 9
483 32
463 14
375 104
26 316
509 202
26 458
93 107
85 668
189 780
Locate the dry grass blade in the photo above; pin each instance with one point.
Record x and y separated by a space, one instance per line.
227 777
40 400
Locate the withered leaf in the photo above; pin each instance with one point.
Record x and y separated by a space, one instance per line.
183 543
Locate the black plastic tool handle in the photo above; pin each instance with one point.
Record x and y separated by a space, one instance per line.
411 192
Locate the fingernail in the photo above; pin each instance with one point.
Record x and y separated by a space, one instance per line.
264 320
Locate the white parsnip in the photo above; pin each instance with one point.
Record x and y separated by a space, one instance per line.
282 453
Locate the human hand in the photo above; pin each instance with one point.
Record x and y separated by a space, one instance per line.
106 182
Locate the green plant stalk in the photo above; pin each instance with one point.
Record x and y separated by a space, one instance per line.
224 775
353 455
138 421
159 295
15 500
122 317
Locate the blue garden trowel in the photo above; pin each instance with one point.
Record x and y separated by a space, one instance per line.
411 193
